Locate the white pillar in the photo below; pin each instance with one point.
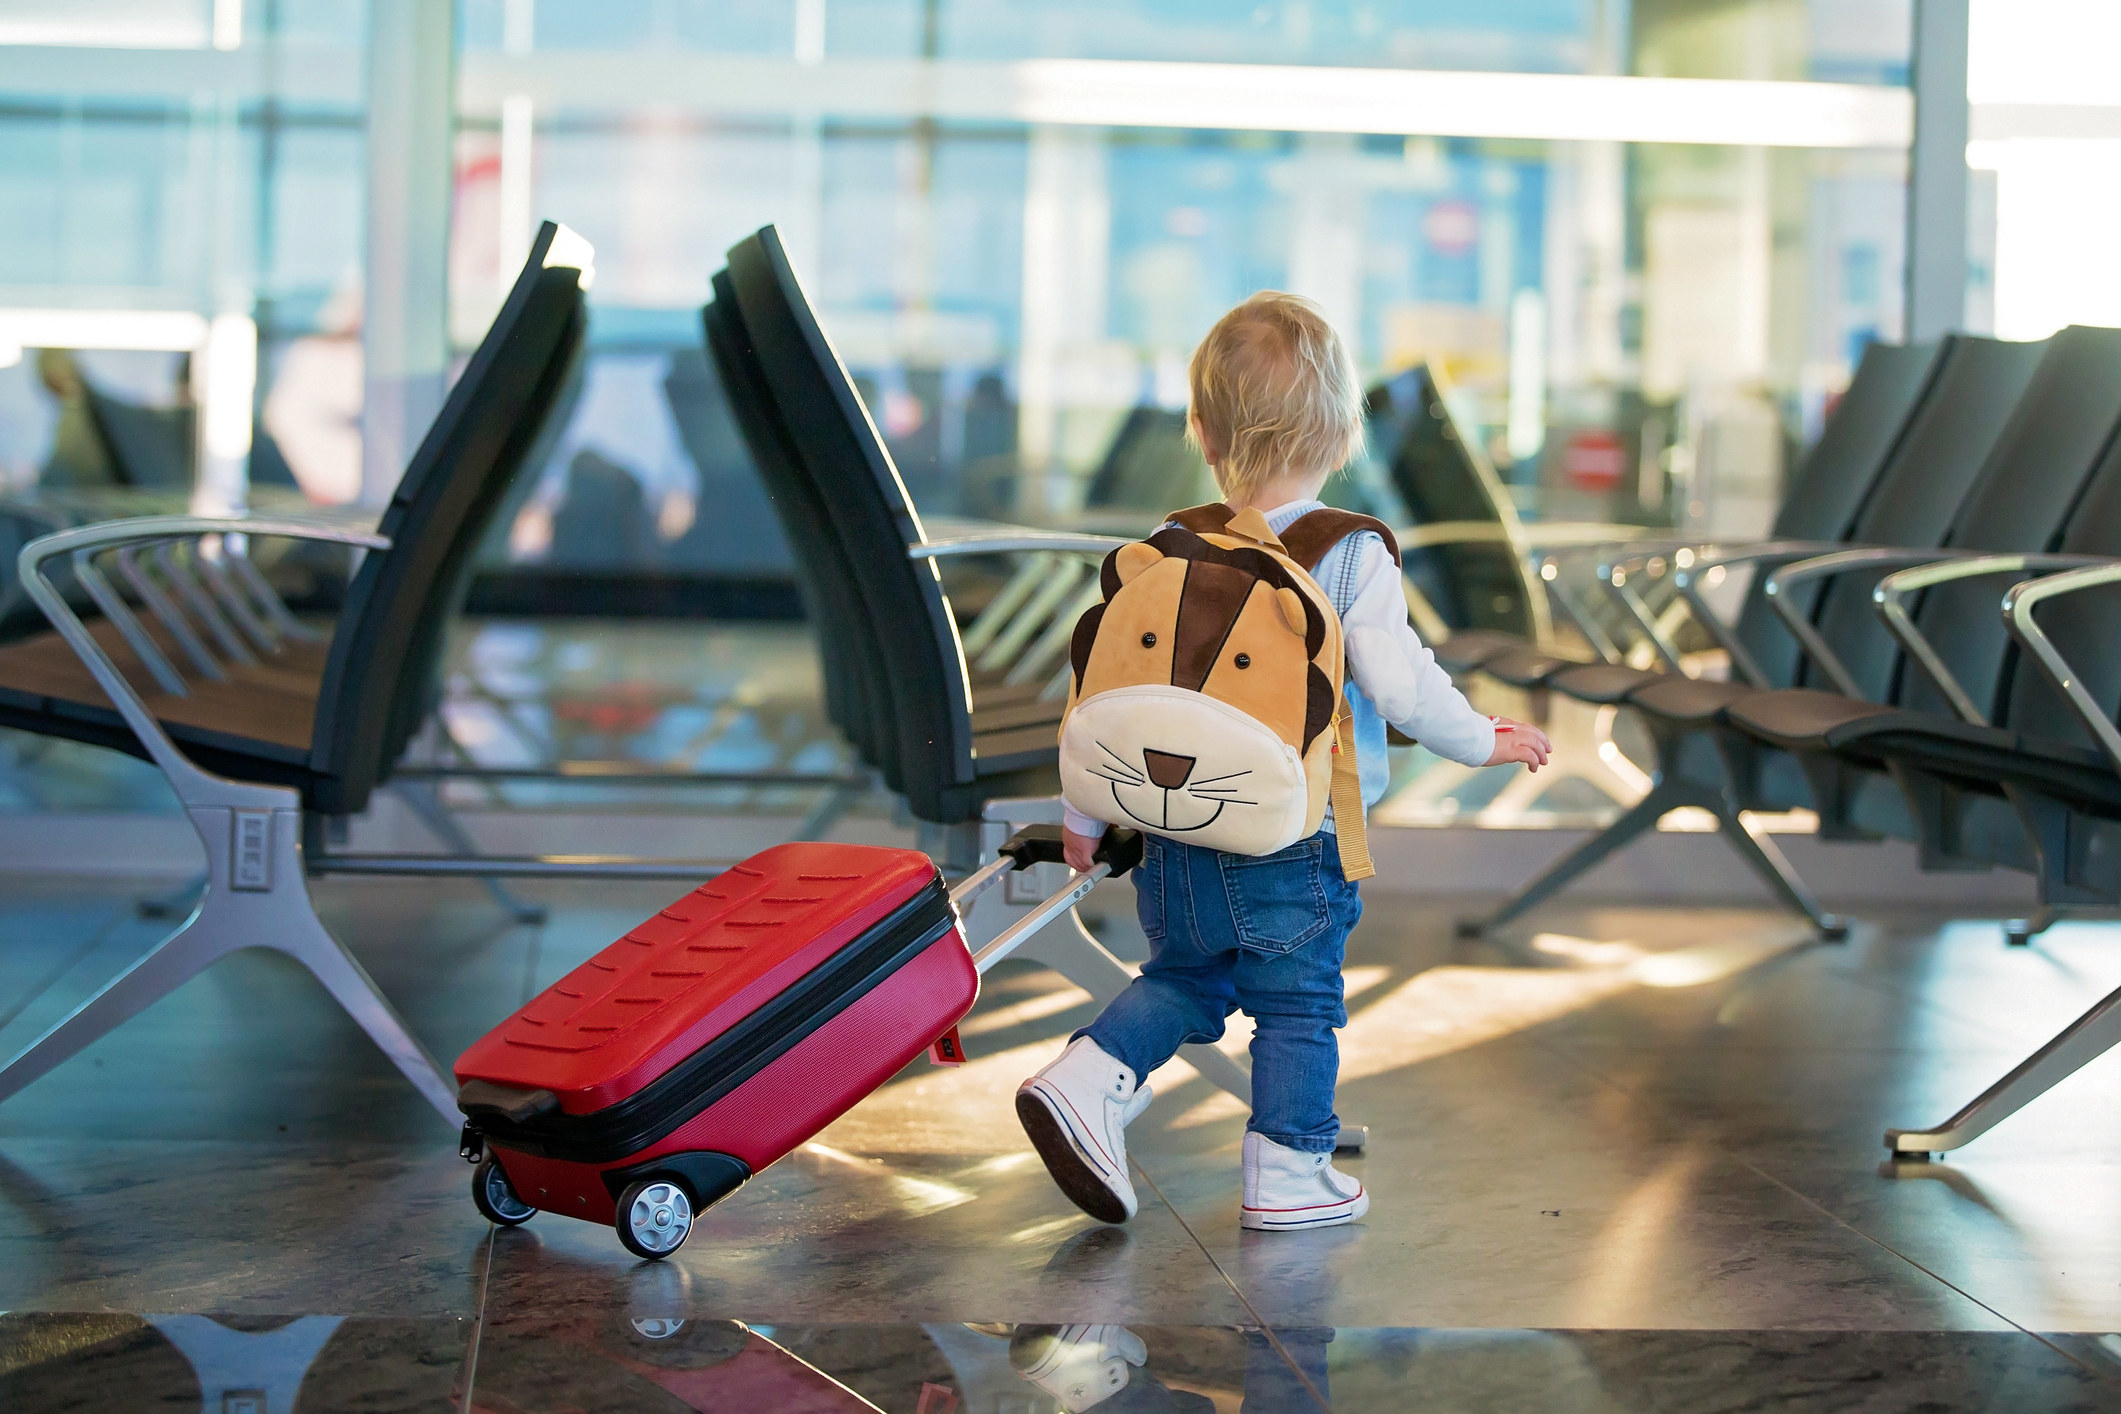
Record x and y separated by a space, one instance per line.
1937 179
1325 248
1067 250
405 330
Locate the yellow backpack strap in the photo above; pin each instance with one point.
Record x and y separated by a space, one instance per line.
1351 830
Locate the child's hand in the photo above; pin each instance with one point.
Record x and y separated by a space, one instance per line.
1078 849
1519 741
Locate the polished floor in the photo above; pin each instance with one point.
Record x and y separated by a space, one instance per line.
1628 1164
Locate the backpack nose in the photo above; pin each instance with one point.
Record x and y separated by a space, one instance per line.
1168 772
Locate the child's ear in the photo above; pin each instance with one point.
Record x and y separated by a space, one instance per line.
1292 610
1131 560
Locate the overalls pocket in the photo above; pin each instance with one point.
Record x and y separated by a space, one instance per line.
1278 901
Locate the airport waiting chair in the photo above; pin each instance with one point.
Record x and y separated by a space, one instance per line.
1978 399
963 761
1826 498
2055 759
1464 548
266 754
1903 750
948 763
2001 749
856 680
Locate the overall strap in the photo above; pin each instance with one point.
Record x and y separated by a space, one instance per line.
1202 520
1312 534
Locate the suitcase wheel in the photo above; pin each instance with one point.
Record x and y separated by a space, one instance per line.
495 1199
654 1217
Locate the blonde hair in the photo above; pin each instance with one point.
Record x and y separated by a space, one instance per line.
1273 389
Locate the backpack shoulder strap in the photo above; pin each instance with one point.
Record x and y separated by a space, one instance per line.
1202 520
1312 534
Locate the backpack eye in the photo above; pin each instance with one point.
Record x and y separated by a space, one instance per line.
1148 640
1244 660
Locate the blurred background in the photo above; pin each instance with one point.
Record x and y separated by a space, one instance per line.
244 243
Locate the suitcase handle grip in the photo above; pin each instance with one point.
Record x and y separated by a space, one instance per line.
476 1097
1120 850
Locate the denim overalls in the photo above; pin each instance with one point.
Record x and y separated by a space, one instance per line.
1266 934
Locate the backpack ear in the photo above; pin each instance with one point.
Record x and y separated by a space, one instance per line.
1292 609
1130 560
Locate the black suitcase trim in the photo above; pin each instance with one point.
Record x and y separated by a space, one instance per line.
663 1106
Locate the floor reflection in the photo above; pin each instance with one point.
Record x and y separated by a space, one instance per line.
229 1364
646 1351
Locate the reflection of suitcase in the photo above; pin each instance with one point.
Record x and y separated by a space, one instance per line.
660 1075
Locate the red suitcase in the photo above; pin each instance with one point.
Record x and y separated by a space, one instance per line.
660 1075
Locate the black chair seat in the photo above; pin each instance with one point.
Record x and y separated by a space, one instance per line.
1804 719
1463 652
1528 667
1603 684
1989 758
1012 715
1687 701
1015 749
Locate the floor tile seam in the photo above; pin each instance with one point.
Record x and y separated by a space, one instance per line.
478 1323
2103 1376
1266 1331
1745 1162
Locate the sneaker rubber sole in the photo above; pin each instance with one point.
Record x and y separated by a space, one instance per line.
1084 1185
1303 1219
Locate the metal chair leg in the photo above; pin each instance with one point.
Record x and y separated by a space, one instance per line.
426 802
168 965
1767 861
1664 797
2086 1039
256 897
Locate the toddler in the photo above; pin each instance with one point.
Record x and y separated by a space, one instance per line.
1276 408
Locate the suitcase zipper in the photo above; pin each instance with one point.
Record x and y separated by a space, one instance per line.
651 1114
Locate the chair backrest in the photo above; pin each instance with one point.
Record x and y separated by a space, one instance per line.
150 448
861 491
856 686
1829 490
1919 495
1149 466
2046 487
1828 493
2085 626
385 657
1442 476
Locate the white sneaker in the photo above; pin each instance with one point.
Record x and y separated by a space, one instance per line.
1076 1111
1081 1366
1287 1189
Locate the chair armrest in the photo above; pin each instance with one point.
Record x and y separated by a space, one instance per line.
193 785
1780 581
1453 532
2018 606
1012 538
1699 556
1891 594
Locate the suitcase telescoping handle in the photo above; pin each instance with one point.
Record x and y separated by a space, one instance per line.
1118 852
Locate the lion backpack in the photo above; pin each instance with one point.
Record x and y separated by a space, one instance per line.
1205 701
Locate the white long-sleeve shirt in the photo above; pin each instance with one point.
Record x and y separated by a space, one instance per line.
1392 666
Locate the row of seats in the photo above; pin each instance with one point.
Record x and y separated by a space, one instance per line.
267 730
1871 677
